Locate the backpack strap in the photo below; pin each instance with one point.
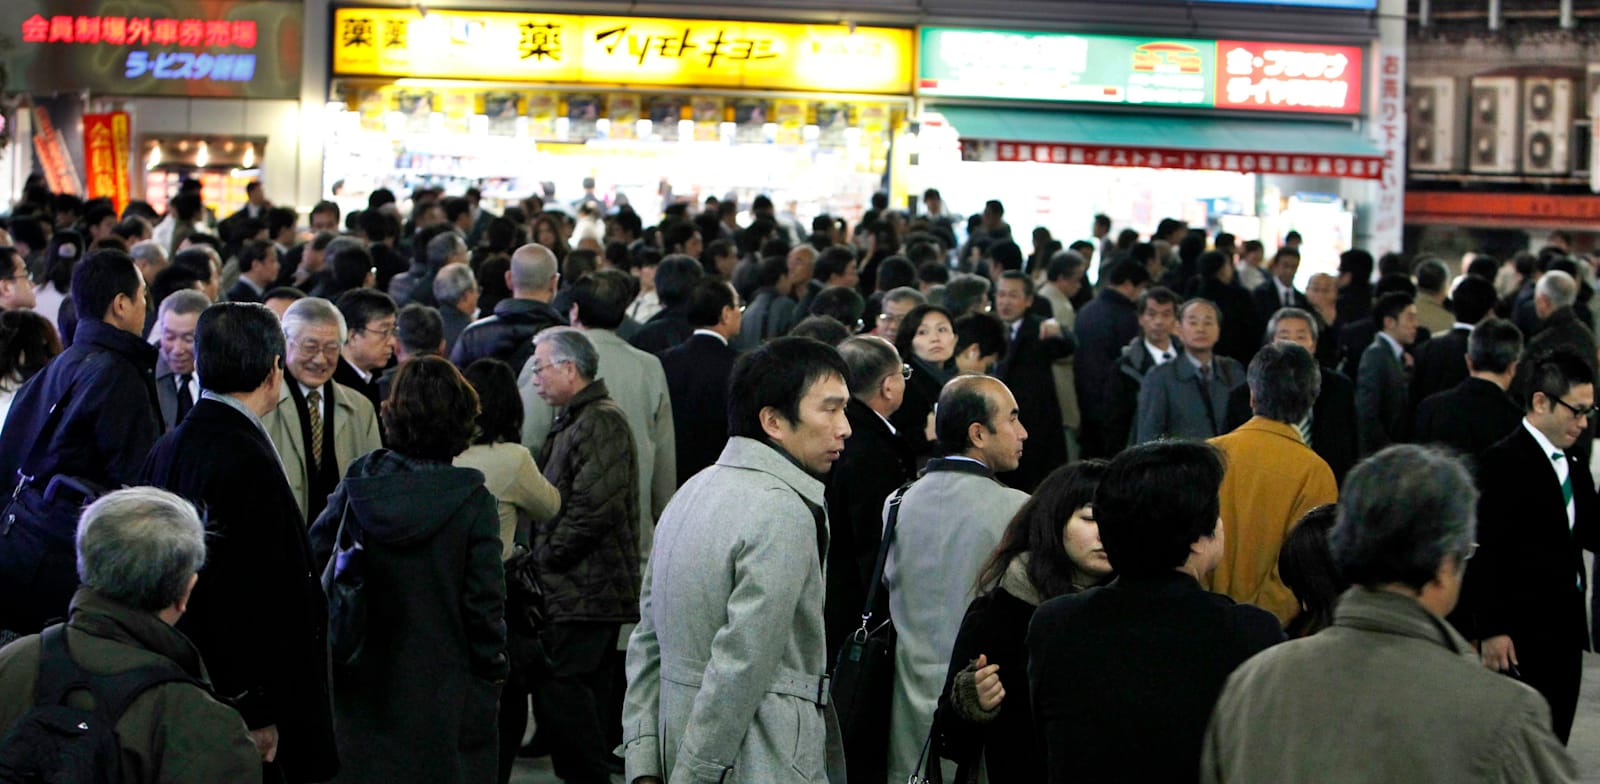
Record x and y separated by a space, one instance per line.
59 676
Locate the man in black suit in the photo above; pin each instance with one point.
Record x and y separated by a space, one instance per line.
370 316
697 376
1331 429
670 326
1028 370
177 385
1356 336
1104 327
1383 389
258 269
1477 413
876 460
1522 600
1442 361
1355 286
257 615
1560 327
1279 291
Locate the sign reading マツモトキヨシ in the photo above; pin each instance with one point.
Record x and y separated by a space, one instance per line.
199 48
532 47
1239 75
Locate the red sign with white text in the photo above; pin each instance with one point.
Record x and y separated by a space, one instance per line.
1262 76
1360 167
105 153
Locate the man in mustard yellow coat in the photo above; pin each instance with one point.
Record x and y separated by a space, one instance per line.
1272 478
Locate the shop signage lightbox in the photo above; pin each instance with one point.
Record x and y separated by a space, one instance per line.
527 47
1360 167
197 48
1239 75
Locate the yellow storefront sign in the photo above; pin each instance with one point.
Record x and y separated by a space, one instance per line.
524 47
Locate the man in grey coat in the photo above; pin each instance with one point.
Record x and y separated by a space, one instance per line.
1188 396
726 669
950 520
1391 691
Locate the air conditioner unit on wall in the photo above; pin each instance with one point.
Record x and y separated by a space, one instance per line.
1591 104
1546 125
1494 114
1431 114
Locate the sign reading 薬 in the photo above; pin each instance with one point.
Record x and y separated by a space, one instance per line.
402 42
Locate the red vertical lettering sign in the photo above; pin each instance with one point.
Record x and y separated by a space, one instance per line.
99 161
121 148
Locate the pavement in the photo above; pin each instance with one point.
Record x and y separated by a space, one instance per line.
1584 745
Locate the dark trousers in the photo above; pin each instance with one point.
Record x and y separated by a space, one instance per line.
570 701
1556 671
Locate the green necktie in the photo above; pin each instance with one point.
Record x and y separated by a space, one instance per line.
1566 484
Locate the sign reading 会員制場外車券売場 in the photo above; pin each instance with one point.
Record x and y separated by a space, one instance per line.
555 48
197 48
1236 75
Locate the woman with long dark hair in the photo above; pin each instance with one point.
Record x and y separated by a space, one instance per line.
926 341
1051 547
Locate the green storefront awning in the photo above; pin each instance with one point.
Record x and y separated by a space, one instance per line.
1297 147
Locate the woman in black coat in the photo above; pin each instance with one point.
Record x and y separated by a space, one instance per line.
926 341
984 713
419 700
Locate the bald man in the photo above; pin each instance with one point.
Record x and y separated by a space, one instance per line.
508 334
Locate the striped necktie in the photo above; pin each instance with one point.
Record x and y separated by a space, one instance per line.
1566 483
314 403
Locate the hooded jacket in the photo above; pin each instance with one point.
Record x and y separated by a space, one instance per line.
420 702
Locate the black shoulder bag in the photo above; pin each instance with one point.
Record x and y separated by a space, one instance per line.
345 581
863 676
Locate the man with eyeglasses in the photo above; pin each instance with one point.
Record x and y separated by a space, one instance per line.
1523 600
896 304
319 425
16 288
876 460
371 316
587 556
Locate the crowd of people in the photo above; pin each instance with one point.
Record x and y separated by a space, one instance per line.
365 493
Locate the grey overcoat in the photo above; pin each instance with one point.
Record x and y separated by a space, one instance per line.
726 665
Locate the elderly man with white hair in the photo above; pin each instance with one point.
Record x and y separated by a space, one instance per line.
139 552
319 425
149 257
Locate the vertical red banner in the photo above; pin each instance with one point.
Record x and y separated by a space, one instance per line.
121 148
100 159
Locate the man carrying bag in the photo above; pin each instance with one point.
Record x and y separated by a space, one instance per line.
81 426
